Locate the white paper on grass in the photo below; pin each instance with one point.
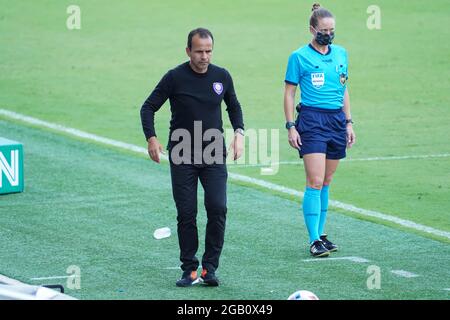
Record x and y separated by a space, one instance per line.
161 233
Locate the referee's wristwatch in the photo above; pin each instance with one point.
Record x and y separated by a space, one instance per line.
290 124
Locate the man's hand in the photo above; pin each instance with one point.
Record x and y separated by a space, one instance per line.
294 138
237 145
154 148
351 136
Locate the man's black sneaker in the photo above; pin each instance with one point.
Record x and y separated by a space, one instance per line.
328 244
188 279
209 278
318 249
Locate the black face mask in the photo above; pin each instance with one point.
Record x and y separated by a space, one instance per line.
324 39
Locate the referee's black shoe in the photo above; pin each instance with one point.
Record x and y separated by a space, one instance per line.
317 249
188 279
328 244
209 278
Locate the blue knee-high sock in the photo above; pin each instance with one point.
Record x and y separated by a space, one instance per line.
323 208
311 212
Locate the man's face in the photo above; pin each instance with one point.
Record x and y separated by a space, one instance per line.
200 53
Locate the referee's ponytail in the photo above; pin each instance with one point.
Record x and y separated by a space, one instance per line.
318 13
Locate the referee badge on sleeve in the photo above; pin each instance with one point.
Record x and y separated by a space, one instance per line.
343 75
343 78
317 79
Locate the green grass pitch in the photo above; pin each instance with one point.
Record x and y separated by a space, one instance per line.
96 207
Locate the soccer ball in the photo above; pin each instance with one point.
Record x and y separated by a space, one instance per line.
303 295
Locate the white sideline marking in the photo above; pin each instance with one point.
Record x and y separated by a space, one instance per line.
447 289
56 277
404 274
273 164
172 268
352 259
76 132
233 176
344 206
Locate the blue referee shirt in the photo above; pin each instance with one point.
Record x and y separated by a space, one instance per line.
322 77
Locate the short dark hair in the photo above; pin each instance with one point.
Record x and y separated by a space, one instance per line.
202 33
318 13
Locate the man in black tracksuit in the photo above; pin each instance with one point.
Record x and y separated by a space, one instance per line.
196 148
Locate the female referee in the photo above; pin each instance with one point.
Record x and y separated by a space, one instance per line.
323 128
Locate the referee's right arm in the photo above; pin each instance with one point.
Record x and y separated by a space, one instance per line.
289 101
292 80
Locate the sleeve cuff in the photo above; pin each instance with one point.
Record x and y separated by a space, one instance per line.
290 82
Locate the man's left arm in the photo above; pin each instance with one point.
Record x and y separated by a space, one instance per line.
235 114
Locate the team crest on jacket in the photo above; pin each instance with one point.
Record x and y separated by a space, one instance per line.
317 79
218 87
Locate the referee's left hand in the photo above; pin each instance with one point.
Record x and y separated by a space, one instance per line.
351 136
237 145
